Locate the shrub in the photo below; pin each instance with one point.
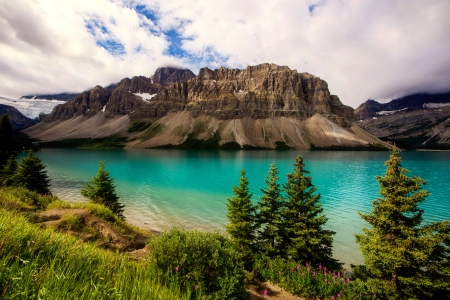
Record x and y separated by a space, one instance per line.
202 262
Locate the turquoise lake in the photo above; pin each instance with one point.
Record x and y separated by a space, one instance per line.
165 188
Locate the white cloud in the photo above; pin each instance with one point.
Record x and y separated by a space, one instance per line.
364 49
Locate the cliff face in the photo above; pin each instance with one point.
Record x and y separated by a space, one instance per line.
261 106
261 91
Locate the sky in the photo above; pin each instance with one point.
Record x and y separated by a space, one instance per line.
363 49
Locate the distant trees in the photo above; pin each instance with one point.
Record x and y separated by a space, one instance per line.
415 258
7 146
101 189
289 226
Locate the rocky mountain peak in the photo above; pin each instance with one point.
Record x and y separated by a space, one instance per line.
166 75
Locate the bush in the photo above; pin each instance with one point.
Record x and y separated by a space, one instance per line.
313 282
204 263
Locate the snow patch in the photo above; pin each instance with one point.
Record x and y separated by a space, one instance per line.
104 108
31 108
389 112
145 96
435 105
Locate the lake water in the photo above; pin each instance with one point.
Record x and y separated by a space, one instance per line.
165 188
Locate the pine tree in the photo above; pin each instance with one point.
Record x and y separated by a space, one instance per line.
8 172
31 174
268 218
305 239
101 190
7 144
241 214
414 258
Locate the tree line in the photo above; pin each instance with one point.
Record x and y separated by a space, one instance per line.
401 254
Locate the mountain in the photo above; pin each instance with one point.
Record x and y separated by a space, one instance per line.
61 97
18 120
31 108
415 121
263 106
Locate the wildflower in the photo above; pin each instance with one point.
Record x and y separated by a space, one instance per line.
339 295
308 269
292 269
339 274
196 287
298 267
320 266
348 279
314 272
332 297
264 293
176 269
374 295
345 272
307 265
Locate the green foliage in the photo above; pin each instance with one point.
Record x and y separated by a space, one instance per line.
10 168
269 219
112 141
241 214
304 236
21 199
137 126
31 174
38 263
312 282
205 263
71 222
415 258
101 190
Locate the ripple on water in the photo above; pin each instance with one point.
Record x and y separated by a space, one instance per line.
188 189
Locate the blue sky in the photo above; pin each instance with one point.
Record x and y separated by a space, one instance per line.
362 49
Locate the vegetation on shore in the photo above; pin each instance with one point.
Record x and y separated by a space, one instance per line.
281 239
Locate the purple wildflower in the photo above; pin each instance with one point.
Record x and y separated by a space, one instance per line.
339 274
264 293
332 297
320 266
298 267
374 295
196 287
348 279
176 269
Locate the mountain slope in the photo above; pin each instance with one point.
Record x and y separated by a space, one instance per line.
264 106
18 120
418 121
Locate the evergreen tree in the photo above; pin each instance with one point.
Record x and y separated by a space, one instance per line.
414 258
31 174
241 214
101 190
7 144
268 218
305 238
7 174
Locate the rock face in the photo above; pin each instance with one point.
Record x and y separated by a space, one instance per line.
17 119
372 108
62 96
260 91
417 121
261 106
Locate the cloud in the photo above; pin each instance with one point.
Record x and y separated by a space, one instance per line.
363 49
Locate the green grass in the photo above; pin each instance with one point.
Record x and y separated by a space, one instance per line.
39 263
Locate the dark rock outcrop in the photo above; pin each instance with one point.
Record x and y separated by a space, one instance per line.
166 75
371 108
17 119
417 121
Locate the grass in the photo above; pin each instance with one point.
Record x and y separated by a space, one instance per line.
39 263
